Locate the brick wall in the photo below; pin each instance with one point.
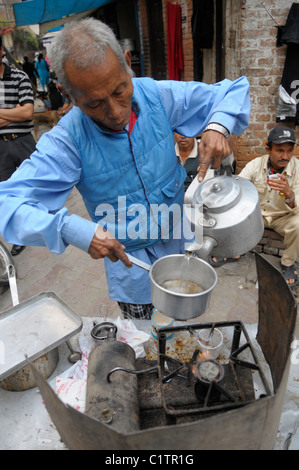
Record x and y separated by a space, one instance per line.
262 62
271 244
250 49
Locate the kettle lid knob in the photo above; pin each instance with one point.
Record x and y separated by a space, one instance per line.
216 188
219 194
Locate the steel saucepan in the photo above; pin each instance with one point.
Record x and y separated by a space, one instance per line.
181 285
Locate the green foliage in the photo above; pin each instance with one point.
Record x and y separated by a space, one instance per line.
6 26
24 40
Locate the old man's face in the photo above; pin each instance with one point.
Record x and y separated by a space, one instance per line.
103 92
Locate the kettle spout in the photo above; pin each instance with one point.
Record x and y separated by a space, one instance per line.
204 249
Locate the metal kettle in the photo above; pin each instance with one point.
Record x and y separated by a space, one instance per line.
225 215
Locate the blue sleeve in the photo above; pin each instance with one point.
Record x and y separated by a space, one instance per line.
191 106
32 201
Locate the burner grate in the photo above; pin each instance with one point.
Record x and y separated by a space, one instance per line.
175 391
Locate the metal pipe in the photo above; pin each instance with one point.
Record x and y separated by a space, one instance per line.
130 371
162 349
236 338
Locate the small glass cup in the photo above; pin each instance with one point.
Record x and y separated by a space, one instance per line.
103 312
210 342
159 320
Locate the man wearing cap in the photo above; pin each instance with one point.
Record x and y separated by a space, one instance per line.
276 177
16 111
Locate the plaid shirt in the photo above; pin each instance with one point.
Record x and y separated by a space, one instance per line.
15 88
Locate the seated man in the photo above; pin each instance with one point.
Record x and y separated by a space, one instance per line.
276 177
186 150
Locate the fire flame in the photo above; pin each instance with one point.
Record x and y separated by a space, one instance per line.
202 356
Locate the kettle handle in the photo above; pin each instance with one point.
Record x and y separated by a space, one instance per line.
227 164
191 191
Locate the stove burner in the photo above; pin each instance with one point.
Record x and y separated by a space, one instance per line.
207 386
173 391
209 371
208 374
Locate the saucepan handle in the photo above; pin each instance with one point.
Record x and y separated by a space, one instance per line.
138 262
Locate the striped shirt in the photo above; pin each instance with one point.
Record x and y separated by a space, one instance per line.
15 88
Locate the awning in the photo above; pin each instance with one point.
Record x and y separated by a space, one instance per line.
53 12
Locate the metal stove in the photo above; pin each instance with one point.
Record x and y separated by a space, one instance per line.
172 390
184 402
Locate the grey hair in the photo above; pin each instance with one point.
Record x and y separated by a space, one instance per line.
84 43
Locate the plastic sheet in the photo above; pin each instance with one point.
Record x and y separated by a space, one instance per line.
286 105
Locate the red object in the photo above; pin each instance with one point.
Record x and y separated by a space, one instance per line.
174 42
133 119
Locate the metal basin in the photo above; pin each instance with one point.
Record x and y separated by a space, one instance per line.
23 379
33 329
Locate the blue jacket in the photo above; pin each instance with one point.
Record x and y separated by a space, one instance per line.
32 201
130 169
